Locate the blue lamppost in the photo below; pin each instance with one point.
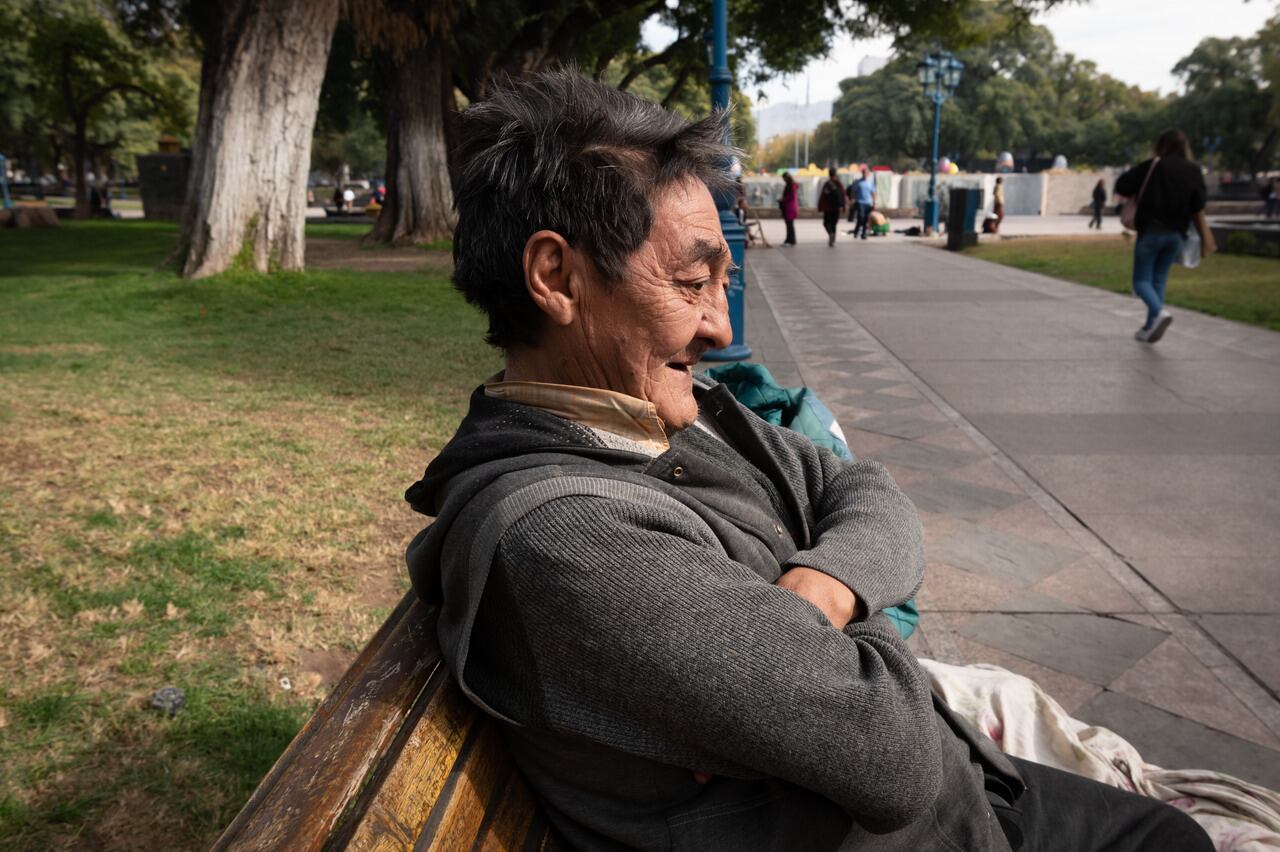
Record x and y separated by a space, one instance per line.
939 75
734 234
4 181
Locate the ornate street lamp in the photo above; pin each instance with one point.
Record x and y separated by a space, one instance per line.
939 75
734 234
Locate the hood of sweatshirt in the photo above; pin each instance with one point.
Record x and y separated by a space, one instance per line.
496 438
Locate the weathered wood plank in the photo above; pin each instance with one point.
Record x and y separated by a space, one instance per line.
510 818
478 774
400 802
304 795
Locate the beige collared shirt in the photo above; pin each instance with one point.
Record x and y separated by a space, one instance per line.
604 411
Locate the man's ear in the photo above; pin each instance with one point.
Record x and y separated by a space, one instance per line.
549 274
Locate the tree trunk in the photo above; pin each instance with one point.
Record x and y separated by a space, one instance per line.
259 92
419 203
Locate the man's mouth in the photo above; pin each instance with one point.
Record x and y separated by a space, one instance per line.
679 367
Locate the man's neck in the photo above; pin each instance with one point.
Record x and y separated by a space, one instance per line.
549 363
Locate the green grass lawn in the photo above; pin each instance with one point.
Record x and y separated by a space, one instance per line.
200 486
353 231
1237 287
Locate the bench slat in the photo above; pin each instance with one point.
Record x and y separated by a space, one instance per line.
398 804
479 774
303 797
512 822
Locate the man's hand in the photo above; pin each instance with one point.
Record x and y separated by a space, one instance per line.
836 600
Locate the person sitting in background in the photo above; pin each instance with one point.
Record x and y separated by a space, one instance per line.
878 222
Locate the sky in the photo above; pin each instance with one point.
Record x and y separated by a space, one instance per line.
1137 41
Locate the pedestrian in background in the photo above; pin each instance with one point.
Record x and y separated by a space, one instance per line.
1099 201
789 205
997 208
831 203
864 196
1271 198
1169 191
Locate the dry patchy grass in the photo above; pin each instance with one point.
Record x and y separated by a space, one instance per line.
200 485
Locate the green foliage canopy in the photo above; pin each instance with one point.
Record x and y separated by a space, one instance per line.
1018 93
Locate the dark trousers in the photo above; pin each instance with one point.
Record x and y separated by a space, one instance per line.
829 219
864 211
1096 221
791 232
1061 812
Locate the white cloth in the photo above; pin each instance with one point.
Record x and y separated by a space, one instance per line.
1026 722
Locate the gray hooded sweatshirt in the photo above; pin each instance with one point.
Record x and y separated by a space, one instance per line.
617 614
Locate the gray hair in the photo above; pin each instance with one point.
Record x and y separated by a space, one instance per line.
560 152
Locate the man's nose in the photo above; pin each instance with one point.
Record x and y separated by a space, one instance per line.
715 320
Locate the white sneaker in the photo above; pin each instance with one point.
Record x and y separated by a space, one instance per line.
1142 334
1161 325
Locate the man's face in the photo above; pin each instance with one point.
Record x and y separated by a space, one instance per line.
643 335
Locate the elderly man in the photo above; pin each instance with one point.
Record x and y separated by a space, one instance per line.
672 608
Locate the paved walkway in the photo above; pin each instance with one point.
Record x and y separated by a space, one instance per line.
1101 515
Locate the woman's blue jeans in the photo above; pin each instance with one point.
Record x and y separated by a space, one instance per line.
1153 254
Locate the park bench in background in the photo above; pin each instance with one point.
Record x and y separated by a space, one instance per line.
396 757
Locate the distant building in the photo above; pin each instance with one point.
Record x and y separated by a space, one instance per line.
871 64
778 119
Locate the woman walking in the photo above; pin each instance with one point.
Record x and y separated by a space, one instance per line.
1099 201
789 204
1169 190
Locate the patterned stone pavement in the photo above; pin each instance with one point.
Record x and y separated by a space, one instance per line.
1040 554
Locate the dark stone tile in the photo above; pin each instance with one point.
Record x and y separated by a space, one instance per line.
1172 742
879 402
1253 639
850 301
944 496
1092 647
1031 602
900 425
1214 584
854 385
838 370
927 457
1002 556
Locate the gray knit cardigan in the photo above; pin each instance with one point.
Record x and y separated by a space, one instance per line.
618 615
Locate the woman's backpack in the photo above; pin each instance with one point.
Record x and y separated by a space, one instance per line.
831 196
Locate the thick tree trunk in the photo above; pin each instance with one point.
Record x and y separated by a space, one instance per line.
259 92
419 203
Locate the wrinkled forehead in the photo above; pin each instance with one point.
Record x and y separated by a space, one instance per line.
686 224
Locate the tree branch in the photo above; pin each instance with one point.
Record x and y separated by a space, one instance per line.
99 95
660 58
677 86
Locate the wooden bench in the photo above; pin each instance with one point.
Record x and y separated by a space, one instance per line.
395 758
